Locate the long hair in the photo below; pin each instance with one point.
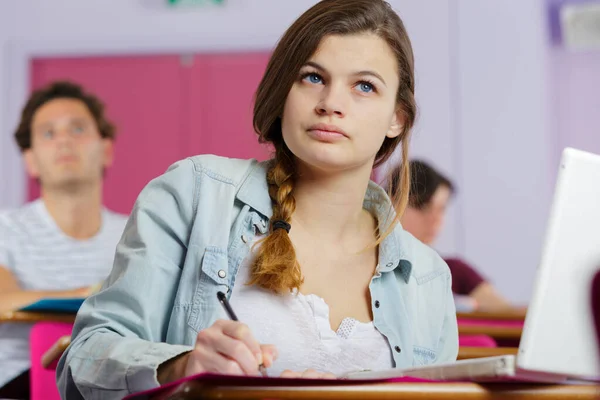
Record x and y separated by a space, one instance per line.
275 267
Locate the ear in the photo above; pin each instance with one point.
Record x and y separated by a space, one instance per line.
396 125
31 164
108 152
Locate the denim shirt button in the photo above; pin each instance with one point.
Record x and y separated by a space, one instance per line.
398 349
389 264
263 223
222 273
377 303
244 238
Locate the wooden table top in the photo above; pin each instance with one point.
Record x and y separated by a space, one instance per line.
496 332
507 315
405 391
30 317
465 352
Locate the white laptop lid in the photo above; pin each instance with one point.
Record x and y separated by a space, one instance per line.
559 335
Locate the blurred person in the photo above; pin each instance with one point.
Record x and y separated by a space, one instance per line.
309 251
62 244
430 193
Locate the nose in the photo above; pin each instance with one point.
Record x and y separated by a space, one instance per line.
63 136
332 102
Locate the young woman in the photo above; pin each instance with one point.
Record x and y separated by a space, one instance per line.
308 250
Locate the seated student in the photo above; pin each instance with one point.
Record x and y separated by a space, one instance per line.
63 242
424 217
320 275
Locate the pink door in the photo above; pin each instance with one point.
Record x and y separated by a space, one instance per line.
144 98
165 109
221 94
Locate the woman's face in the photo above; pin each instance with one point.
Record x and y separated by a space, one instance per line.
343 104
426 223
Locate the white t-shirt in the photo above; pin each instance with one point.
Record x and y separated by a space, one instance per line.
298 325
42 257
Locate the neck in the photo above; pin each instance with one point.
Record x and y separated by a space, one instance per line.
330 206
77 211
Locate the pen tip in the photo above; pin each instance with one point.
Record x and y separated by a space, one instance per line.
221 296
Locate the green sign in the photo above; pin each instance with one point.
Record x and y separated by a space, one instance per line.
194 2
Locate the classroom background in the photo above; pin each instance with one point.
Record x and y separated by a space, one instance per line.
502 87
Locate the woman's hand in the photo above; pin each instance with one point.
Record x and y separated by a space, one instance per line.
227 347
309 374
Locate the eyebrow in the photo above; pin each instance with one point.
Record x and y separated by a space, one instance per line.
49 124
359 73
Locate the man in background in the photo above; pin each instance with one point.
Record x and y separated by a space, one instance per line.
430 194
64 242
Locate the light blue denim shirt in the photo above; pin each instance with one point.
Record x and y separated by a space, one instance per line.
185 240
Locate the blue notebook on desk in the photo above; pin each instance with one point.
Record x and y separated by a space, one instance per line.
65 306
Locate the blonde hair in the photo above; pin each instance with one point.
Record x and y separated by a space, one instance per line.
275 267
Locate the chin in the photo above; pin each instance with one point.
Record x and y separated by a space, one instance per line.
329 160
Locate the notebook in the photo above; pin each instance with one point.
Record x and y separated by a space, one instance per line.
62 306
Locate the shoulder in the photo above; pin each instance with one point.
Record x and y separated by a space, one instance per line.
457 264
187 182
463 271
227 170
186 175
426 263
21 219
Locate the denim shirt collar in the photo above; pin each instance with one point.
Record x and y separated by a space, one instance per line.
254 192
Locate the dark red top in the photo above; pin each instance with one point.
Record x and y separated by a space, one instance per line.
464 277
596 304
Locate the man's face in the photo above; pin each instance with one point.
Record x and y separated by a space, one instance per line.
66 146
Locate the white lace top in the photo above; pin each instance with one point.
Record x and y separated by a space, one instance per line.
299 326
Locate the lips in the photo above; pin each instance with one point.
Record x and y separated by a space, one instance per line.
326 133
331 129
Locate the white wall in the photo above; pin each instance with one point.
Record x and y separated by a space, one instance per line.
576 99
480 87
506 153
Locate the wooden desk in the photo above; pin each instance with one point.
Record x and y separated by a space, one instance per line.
508 315
30 317
52 355
405 391
465 352
496 332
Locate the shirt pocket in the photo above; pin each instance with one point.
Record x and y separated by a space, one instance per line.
214 277
423 356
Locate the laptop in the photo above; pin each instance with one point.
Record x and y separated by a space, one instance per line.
558 342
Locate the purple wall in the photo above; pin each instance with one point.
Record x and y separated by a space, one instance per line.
574 89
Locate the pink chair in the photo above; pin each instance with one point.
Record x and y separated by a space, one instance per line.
43 336
476 341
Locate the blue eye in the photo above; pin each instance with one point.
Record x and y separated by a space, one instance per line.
47 134
365 87
77 129
313 78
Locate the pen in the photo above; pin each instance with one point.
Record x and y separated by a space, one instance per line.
223 300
